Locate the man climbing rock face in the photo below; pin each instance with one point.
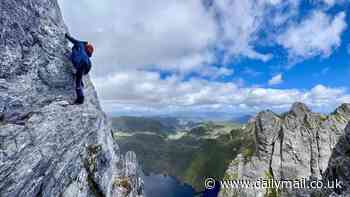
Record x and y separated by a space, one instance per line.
80 57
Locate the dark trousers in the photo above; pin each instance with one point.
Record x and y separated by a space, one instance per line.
79 85
82 70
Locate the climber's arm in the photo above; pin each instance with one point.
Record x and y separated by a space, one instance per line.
71 39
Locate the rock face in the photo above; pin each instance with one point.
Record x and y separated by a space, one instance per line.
47 147
339 166
294 145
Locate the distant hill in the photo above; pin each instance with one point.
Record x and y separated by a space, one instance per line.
295 144
151 124
186 156
129 123
242 119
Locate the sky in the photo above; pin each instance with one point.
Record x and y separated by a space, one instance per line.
236 57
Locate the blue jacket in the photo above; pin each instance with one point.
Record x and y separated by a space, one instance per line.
79 57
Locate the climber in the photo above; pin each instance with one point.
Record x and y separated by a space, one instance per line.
210 192
80 57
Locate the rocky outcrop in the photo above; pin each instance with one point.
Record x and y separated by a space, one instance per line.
48 147
295 145
339 166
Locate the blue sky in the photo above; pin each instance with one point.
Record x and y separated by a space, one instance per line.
226 56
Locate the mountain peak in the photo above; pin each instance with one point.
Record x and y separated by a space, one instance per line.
266 116
343 109
299 109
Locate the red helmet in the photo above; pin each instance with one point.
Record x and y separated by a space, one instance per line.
89 49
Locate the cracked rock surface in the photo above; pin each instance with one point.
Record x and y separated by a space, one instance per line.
294 145
48 147
339 166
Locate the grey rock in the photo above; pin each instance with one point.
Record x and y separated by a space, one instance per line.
339 166
299 110
343 109
295 145
48 147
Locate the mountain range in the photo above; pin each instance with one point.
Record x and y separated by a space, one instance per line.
297 144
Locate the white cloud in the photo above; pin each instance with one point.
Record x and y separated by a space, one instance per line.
275 2
179 35
173 35
282 12
329 2
320 92
215 73
141 87
319 34
133 37
240 22
275 80
141 91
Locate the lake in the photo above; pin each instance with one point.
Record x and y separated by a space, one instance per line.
166 186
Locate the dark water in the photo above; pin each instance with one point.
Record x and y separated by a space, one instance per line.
166 186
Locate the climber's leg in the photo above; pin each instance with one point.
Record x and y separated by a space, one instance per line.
86 69
78 86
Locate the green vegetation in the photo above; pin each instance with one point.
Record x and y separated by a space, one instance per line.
90 163
194 156
333 127
123 182
158 155
246 141
339 118
211 160
133 124
248 152
271 192
323 117
92 152
211 129
230 176
201 130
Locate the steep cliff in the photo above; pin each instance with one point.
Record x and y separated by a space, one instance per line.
48 147
297 144
339 166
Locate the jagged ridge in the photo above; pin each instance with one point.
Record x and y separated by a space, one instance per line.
296 144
